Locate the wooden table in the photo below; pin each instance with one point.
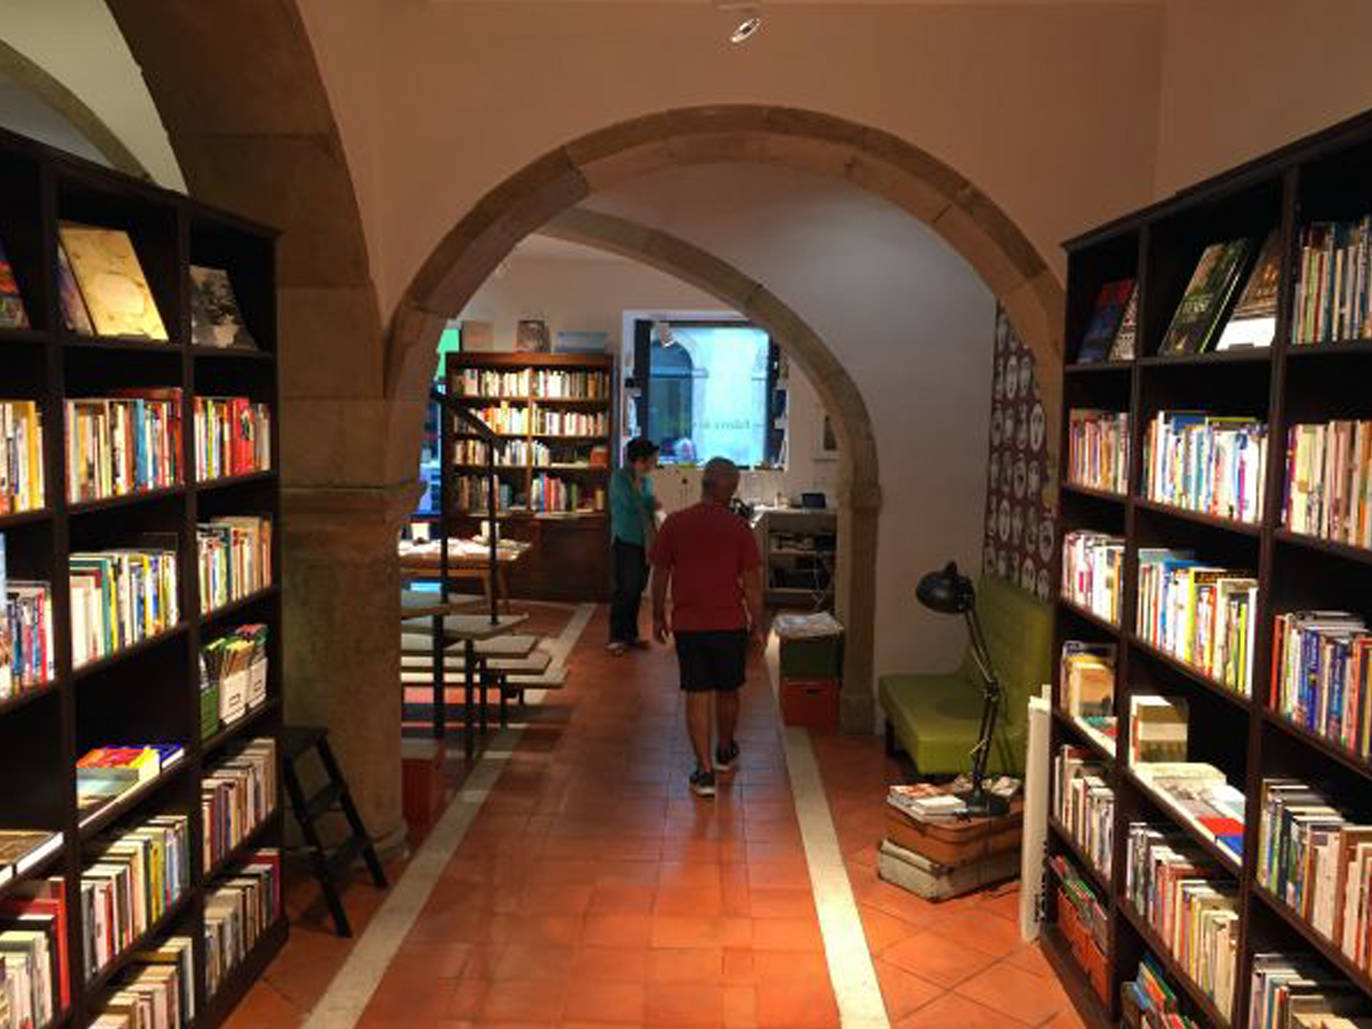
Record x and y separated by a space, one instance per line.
467 559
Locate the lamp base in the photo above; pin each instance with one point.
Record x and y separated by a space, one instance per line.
983 804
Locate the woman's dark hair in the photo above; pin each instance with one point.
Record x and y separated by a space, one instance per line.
639 448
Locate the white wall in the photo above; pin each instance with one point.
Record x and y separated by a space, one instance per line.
909 321
579 289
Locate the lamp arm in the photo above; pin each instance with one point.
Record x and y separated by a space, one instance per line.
991 693
980 653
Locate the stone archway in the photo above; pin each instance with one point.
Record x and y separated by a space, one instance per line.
860 481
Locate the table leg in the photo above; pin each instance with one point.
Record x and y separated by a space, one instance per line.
504 590
469 652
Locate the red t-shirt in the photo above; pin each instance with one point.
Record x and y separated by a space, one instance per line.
707 548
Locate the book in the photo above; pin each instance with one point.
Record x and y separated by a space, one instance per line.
1125 344
1207 294
1111 303
235 556
12 313
1253 322
233 436
216 320
1157 728
1098 449
237 796
120 597
112 283
1206 463
75 315
123 444
1092 572
1329 481
22 476
1321 666
1334 273
1088 678
1084 804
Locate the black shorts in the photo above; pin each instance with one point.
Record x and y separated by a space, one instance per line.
712 659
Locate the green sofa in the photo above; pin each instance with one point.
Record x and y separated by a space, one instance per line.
934 718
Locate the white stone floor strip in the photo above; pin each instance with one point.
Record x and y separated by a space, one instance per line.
851 972
352 986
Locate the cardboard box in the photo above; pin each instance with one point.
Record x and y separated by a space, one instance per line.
233 696
810 702
257 683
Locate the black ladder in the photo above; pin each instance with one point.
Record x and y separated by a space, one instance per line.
328 866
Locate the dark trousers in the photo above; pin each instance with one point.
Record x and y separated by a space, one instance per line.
631 576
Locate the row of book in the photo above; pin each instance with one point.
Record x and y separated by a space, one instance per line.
1191 906
570 423
1088 689
21 457
233 436
552 493
121 444
235 555
1093 572
26 657
245 906
514 454
119 597
1296 991
1083 922
1150 1000
1201 614
1334 273
233 677
1321 669
1206 463
35 981
1329 481
504 418
236 797
1098 449
1084 804
1318 861
102 291
524 453
533 383
472 493
107 775
132 879
157 991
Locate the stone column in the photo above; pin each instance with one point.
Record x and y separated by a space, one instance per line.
341 623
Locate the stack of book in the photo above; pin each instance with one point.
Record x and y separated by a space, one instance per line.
503 418
119 597
21 457
487 382
235 559
1319 863
233 677
1088 689
244 907
570 385
1295 991
22 850
1083 922
551 493
105 775
1157 728
156 992
1191 907
1329 481
132 880
570 423
1332 282
126 443
233 436
26 657
1205 463
1199 796
1092 572
1150 1001
1085 804
35 980
236 797
933 848
1201 614
1098 449
1321 669
472 493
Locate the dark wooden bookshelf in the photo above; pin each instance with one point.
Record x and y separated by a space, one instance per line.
148 692
569 556
1323 177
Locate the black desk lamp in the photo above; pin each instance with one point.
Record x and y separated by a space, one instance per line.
949 592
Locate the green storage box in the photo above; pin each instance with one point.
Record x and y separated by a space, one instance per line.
209 712
811 646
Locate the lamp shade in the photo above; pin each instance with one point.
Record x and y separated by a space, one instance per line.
947 591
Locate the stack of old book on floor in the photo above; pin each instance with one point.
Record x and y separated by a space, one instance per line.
934 849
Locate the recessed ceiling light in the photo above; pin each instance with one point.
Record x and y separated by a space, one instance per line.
746 30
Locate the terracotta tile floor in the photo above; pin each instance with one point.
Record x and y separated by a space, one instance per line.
593 890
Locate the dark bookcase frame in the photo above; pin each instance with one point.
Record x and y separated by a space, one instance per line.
1327 176
570 557
148 692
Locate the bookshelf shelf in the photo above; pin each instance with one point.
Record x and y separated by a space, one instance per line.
1084 735
1098 494
1175 972
252 717
1080 857
236 607
148 692
1087 615
1320 178
1316 939
230 481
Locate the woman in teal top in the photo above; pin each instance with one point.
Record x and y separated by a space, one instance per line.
631 531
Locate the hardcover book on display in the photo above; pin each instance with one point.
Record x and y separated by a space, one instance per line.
75 317
116 291
1111 304
12 313
1254 321
1124 347
1207 294
216 320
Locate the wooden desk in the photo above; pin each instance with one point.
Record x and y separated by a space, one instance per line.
466 560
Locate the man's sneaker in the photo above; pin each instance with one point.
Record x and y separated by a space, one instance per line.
725 757
703 783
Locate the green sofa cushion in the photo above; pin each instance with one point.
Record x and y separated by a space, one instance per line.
936 717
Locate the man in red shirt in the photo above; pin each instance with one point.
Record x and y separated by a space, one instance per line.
710 557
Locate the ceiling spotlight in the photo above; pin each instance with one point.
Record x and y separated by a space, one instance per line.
746 30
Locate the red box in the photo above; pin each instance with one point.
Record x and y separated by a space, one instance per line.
421 783
810 702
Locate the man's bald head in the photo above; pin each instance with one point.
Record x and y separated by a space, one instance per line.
719 481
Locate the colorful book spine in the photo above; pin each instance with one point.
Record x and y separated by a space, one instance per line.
1092 572
233 436
1084 804
22 485
505 419
570 385
1212 465
1321 664
1297 991
235 557
123 444
26 651
1098 449
1329 481
552 493
1332 283
485 382
557 422
244 906
236 797
472 495
120 597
